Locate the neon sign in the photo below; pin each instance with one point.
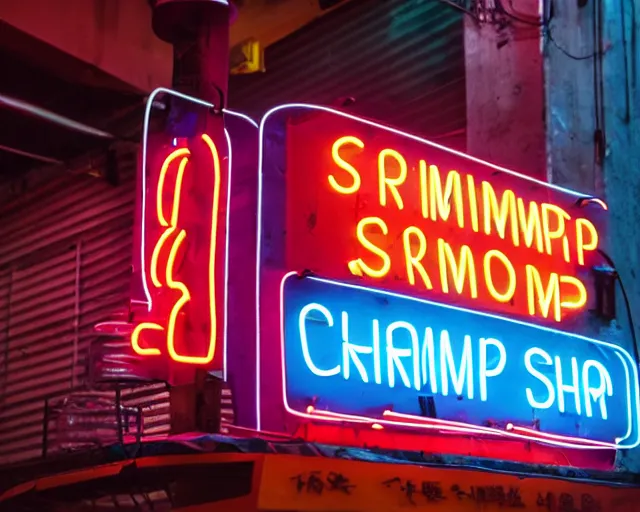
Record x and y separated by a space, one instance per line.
368 355
165 254
373 204
183 235
434 286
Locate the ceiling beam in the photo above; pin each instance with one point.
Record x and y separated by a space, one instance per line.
116 36
112 35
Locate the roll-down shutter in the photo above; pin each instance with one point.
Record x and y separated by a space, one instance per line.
402 61
65 259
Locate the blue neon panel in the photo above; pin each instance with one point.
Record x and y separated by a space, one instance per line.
506 393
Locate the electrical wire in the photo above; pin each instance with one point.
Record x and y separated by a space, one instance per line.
625 297
545 24
627 92
600 138
633 48
566 52
541 23
512 15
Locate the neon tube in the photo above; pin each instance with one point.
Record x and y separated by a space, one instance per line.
226 260
171 226
419 422
536 433
533 434
577 443
145 137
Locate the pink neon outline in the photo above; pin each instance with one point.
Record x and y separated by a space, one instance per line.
364 419
532 434
434 423
536 433
382 127
444 426
440 425
145 136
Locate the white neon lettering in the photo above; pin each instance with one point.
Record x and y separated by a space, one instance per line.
498 367
350 352
432 364
304 341
428 351
394 354
596 394
448 366
377 373
546 360
574 388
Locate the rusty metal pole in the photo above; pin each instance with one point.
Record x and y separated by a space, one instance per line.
199 33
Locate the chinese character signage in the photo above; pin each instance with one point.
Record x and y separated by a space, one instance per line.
321 483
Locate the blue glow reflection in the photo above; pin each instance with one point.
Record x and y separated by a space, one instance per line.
361 351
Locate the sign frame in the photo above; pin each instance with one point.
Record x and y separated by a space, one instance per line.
512 431
141 296
270 234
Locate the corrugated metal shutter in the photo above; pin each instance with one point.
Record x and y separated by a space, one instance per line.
5 290
65 262
402 60
40 346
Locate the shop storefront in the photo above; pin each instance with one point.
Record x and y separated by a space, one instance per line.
400 324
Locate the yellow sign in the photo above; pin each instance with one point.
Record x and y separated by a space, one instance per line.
296 483
247 57
324 484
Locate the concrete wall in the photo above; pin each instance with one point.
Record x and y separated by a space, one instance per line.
570 98
505 93
621 166
505 85
114 35
611 168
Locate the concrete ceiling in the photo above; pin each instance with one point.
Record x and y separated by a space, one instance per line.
93 60
116 37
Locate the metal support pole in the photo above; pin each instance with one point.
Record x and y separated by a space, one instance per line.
199 33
